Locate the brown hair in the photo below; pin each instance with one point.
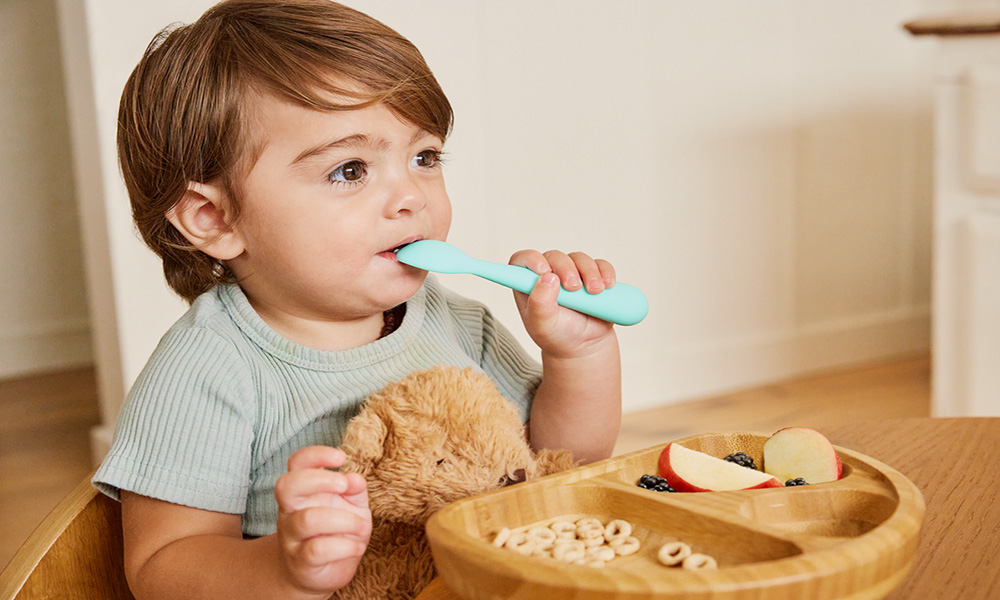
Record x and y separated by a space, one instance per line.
186 112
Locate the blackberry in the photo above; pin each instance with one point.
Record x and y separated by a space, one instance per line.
654 483
795 482
647 482
742 460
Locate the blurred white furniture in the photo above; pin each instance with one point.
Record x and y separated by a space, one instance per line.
966 314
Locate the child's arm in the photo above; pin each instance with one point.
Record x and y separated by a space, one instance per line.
578 405
174 551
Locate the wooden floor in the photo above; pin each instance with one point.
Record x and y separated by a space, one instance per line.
899 388
45 422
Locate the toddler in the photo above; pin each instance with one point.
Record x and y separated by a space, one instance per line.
276 154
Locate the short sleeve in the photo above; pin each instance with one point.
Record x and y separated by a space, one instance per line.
186 431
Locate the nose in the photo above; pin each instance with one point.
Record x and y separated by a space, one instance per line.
406 196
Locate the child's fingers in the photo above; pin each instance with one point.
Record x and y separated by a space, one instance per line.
590 272
316 457
541 302
575 270
608 274
566 268
532 259
302 488
323 550
325 521
357 490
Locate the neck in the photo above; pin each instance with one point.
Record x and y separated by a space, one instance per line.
324 335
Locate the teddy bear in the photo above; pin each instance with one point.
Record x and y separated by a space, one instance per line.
436 436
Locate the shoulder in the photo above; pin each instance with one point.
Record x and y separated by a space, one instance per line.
211 319
203 347
211 310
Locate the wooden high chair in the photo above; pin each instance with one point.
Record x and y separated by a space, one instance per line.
74 554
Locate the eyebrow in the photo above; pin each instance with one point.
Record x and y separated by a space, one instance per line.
357 139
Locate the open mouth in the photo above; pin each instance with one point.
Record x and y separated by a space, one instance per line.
391 252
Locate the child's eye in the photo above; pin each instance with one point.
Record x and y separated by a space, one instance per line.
427 159
349 172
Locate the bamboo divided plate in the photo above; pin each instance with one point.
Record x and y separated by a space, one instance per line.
854 538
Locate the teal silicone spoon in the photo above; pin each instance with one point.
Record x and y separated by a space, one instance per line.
622 304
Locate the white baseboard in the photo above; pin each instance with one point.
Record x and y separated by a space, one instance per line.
52 346
687 373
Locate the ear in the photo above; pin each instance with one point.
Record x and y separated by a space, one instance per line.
364 442
202 216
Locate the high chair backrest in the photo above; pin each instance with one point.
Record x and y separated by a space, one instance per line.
74 554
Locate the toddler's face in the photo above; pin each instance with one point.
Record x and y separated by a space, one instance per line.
331 196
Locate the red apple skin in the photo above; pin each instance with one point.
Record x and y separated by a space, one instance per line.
840 465
681 485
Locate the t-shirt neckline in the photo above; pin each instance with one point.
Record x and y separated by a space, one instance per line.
285 350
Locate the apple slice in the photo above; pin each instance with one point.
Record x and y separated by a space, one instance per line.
801 452
691 471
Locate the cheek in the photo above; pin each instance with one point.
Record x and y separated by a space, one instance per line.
442 217
267 224
306 245
341 234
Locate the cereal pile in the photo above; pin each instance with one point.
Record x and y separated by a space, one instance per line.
586 541
673 554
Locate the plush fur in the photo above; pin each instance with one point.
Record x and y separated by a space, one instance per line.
434 437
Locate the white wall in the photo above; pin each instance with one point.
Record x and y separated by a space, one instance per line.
764 175
43 309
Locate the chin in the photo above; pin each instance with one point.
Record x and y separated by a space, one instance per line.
401 290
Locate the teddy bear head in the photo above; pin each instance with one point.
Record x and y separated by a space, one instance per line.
434 437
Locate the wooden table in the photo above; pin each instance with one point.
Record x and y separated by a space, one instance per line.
953 462
956 465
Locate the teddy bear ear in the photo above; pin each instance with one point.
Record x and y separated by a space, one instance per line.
364 442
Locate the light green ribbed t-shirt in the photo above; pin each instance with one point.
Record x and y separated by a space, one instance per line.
225 400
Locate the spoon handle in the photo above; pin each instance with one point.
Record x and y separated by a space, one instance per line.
622 304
